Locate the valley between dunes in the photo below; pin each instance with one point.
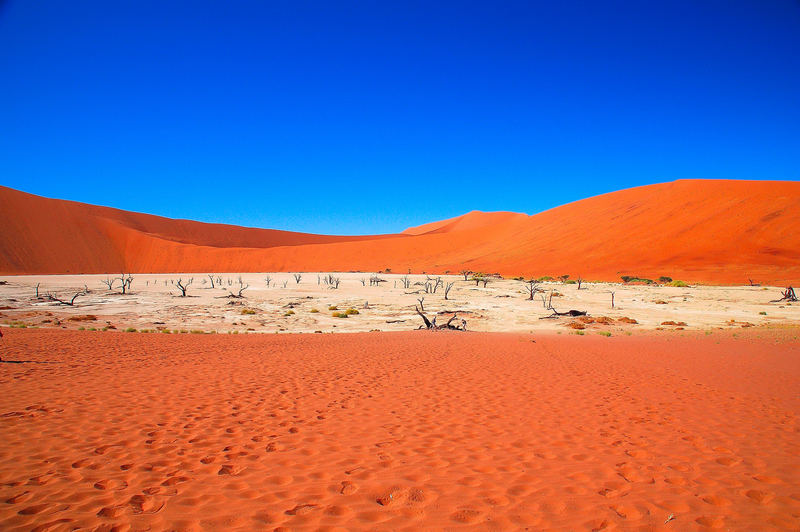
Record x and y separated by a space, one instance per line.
708 231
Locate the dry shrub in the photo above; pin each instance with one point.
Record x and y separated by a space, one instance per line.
576 325
86 317
676 323
605 320
626 319
586 319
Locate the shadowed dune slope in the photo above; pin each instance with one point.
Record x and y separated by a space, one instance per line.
711 231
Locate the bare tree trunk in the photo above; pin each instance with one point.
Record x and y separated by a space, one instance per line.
447 289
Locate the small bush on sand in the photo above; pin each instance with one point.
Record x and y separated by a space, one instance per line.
763 313
130 329
333 307
351 311
340 315
580 333
314 311
664 279
679 284
604 333
288 313
248 311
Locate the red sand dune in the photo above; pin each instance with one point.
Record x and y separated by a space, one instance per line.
710 231
399 431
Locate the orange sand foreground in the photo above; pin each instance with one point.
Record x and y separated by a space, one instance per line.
389 431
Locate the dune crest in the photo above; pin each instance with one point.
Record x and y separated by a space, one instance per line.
710 231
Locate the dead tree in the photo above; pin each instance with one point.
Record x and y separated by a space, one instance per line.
563 278
753 283
375 280
212 280
268 280
242 288
182 287
406 281
420 299
580 282
434 284
333 282
285 283
557 314
612 300
297 278
532 286
465 273
447 289
788 295
109 282
431 325
363 282
37 290
125 280
71 302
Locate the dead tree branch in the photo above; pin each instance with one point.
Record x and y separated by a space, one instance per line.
431 325
532 286
71 302
182 287
788 295
447 289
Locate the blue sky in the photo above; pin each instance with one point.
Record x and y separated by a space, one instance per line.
368 117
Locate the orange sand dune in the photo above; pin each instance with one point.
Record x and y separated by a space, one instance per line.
399 431
697 230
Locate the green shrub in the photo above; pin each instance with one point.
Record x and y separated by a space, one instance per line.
580 333
664 279
545 278
333 307
763 313
130 329
604 333
351 311
248 311
81 328
340 315
570 281
196 331
679 284
288 313
314 311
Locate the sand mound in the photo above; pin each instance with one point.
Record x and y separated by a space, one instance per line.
695 230
397 431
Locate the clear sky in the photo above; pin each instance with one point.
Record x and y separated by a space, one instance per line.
367 117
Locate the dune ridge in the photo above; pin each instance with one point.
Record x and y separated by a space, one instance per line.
710 231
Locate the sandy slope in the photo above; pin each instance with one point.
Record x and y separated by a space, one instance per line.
392 431
716 232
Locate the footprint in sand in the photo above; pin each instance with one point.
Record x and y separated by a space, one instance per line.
466 515
759 496
22 497
348 488
111 484
301 509
58 524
